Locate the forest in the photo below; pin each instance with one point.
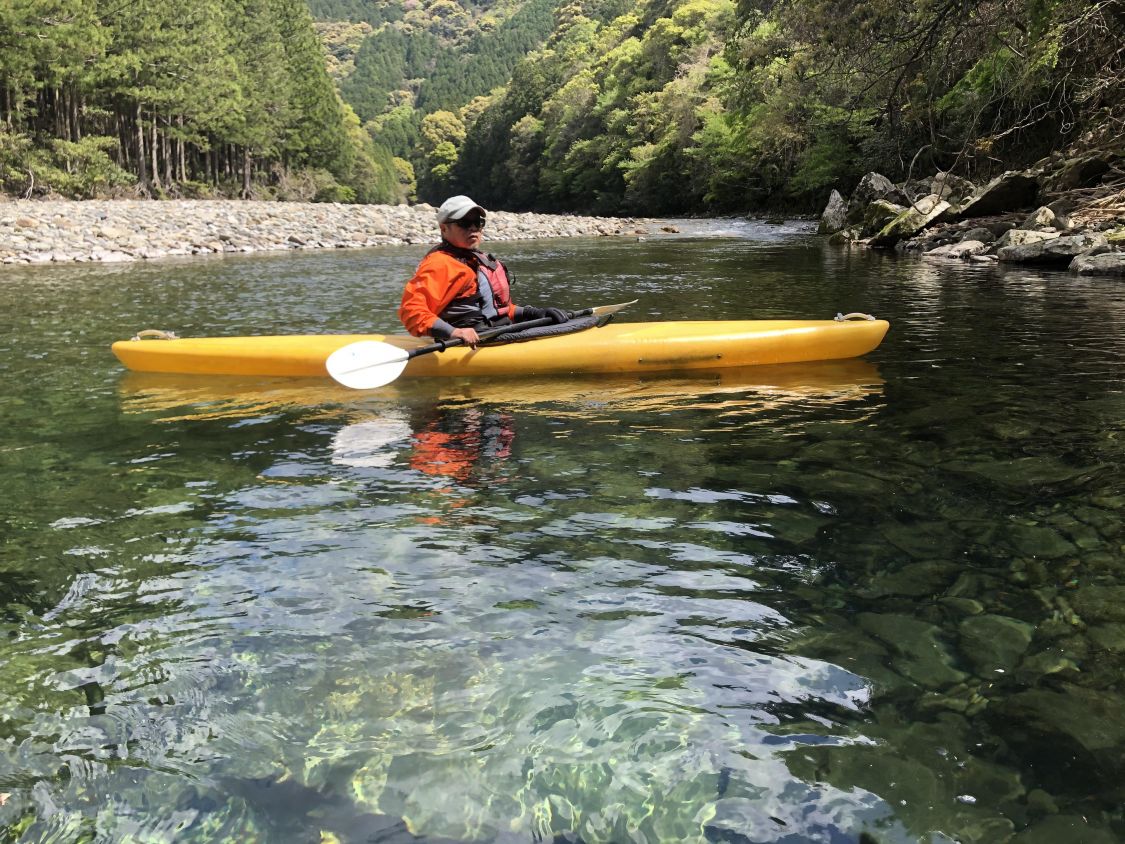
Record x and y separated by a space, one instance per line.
606 106
189 99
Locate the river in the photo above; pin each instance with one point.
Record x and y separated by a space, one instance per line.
877 600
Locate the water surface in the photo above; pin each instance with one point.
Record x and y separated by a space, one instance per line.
879 597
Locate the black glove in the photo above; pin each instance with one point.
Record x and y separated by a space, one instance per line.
558 315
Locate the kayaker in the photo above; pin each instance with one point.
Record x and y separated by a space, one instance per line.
457 289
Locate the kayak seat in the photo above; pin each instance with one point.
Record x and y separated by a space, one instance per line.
568 327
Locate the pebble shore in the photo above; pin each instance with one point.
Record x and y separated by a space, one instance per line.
34 232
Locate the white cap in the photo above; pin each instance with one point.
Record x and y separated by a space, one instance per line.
457 207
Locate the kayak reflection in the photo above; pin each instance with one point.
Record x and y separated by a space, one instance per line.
454 442
745 389
446 441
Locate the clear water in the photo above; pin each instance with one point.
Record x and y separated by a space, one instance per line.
878 600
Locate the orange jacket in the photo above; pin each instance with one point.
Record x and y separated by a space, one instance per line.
438 281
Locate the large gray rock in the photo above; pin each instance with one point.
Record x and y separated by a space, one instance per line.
951 187
911 221
871 187
878 214
1060 251
1045 217
1105 263
962 250
1020 237
1079 172
979 233
835 215
1009 191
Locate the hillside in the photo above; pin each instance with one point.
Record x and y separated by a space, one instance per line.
678 106
606 106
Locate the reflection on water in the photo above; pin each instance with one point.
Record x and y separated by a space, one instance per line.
747 388
867 600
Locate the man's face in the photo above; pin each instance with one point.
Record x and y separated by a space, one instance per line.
466 233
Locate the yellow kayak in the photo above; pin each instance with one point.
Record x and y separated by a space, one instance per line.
616 347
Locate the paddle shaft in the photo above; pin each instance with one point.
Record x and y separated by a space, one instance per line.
442 345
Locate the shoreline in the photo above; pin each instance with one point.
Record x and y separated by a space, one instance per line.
117 231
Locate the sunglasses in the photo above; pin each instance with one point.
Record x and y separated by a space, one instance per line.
476 223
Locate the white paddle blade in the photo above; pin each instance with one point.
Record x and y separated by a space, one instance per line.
367 364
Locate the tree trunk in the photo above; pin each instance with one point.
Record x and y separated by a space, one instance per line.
183 168
246 165
142 161
75 115
166 145
153 147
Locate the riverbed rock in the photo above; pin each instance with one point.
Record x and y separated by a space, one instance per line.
1077 731
871 187
1059 251
959 251
835 214
1099 603
1106 263
1045 218
1055 829
1021 237
911 221
952 188
878 214
127 230
1010 191
994 643
921 656
978 233
1079 172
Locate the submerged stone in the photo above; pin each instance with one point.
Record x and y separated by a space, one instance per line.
1039 541
1080 732
1058 829
921 656
912 580
1108 637
994 643
1099 603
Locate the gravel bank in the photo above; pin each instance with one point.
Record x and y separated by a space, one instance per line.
64 231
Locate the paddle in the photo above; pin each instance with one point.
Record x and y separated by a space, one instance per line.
368 364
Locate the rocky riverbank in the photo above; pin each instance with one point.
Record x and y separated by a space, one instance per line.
33 232
1066 213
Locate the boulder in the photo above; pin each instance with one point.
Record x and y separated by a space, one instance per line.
871 187
1105 263
1080 730
1059 251
951 187
1021 237
1009 191
1045 218
835 214
979 233
963 250
911 221
1079 172
878 214
994 643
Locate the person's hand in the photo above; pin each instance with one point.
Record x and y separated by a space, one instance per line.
468 335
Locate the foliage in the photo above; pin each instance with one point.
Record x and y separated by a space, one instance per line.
196 92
